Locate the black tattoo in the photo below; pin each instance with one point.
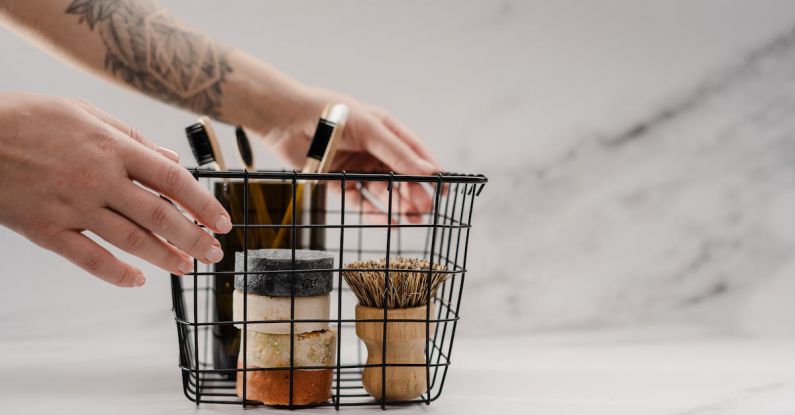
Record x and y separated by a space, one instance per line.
149 50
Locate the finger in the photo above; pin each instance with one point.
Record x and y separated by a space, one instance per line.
410 138
168 153
404 206
374 198
413 200
377 195
140 242
162 218
96 260
373 214
418 201
394 152
174 181
421 198
127 130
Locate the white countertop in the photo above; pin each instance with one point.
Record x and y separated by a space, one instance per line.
90 368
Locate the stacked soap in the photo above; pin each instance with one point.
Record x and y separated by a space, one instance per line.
274 276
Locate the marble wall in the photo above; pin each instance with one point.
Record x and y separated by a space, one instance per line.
684 214
640 154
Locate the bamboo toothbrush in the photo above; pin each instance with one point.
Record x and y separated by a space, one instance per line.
319 156
247 158
338 114
204 144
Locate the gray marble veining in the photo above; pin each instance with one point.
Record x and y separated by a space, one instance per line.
680 215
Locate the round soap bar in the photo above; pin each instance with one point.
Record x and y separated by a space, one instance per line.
272 387
308 282
261 307
316 348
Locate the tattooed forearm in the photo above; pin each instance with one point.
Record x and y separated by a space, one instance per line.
151 51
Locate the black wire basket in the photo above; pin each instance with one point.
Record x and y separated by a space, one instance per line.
350 228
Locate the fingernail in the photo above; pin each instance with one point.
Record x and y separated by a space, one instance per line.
223 224
168 153
185 266
139 280
214 254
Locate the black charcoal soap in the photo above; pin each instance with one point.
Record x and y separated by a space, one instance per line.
307 279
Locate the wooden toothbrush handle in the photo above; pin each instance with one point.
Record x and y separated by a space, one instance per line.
288 217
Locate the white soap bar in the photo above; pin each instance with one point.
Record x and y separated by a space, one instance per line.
261 307
315 348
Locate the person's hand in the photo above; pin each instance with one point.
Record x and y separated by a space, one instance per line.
373 141
67 167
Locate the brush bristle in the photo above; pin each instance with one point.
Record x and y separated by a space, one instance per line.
408 282
200 143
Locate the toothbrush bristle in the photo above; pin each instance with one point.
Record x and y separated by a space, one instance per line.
244 147
320 140
200 143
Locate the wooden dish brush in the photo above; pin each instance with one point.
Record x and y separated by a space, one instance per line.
406 297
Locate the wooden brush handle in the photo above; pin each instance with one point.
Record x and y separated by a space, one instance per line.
405 343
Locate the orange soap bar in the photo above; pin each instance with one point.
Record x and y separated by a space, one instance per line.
272 387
